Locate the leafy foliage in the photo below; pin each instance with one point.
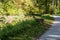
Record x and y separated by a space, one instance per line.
24 25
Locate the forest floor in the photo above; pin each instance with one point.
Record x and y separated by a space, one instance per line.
28 29
54 31
34 32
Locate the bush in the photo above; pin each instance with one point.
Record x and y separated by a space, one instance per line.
29 28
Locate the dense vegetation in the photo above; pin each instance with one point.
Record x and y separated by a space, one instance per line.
26 19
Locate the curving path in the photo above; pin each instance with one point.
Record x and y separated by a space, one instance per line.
54 32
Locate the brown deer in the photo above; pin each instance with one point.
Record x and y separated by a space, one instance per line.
41 21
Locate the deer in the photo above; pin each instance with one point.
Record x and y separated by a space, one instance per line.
40 21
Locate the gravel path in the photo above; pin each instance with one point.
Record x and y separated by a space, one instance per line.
54 32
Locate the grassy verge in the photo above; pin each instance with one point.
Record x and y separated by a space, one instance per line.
25 30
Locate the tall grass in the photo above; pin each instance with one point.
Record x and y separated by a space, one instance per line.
25 30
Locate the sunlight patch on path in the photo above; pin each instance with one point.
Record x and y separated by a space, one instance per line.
56 22
54 36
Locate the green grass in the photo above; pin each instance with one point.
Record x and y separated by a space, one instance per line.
58 14
25 30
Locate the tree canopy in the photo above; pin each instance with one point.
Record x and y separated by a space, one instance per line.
16 7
